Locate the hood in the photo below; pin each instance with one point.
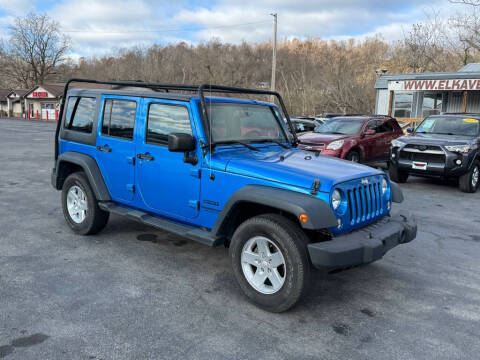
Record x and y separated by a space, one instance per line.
318 138
436 139
292 167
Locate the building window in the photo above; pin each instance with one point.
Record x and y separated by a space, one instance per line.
166 119
402 105
119 118
432 104
80 114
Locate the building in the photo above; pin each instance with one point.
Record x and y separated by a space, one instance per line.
3 102
412 97
43 101
15 104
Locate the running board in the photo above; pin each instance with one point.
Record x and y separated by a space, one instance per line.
190 232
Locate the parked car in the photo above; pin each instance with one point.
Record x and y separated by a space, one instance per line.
445 146
305 124
185 163
356 138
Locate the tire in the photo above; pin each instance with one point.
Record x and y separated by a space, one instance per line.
396 175
282 236
470 181
86 218
354 156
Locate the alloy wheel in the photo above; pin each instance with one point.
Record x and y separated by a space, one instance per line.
77 204
263 265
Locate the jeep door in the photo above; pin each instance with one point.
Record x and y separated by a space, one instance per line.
115 152
167 185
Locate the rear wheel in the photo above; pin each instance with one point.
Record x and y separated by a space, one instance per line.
80 207
397 175
270 261
354 156
470 181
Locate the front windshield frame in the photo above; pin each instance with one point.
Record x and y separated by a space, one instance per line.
281 125
420 128
321 128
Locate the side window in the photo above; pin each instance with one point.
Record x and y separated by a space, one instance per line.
165 119
383 126
372 125
119 118
80 113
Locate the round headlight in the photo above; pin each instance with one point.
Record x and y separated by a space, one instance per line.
384 186
336 199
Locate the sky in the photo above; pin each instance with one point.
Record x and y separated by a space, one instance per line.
99 27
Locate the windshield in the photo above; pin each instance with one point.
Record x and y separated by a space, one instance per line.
449 125
340 126
244 122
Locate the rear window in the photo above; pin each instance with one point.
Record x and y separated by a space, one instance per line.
80 113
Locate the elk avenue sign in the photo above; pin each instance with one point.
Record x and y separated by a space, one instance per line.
435 85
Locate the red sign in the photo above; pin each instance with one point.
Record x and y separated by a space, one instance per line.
40 94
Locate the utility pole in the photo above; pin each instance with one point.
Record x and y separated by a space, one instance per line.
274 57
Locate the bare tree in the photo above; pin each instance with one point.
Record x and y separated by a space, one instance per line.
34 49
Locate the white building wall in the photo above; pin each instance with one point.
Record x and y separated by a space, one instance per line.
383 98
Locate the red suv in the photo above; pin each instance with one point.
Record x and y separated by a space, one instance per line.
364 138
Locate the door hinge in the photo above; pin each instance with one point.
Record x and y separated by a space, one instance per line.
194 204
196 173
131 188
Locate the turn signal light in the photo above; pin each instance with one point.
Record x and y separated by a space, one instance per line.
303 218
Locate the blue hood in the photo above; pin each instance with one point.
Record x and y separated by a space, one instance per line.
291 167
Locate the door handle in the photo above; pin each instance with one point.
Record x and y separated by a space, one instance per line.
145 157
104 148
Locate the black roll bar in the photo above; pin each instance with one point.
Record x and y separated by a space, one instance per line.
176 87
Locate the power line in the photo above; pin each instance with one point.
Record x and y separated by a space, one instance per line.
161 30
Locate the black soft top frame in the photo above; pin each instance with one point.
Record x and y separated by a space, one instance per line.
200 89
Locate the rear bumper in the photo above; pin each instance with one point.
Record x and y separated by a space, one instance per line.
365 245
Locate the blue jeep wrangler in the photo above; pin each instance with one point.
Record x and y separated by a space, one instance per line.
221 171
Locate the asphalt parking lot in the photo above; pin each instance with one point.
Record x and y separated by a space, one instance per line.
133 292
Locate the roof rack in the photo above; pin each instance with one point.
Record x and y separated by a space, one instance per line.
200 89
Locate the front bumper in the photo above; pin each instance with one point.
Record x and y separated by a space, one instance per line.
365 245
447 168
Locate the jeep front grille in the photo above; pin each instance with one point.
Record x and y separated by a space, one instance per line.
364 202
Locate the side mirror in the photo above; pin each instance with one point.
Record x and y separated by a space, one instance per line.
410 130
180 142
370 132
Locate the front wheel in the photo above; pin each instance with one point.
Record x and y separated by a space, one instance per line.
270 261
470 181
354 156
80 206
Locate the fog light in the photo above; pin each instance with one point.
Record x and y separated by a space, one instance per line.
339 222
458 162
393 155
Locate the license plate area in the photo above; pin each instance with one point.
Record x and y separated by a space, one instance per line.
419 165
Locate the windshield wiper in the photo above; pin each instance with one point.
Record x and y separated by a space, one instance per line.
270 140
443 133
235 142
335 133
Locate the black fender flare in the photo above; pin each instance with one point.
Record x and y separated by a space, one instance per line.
91 169
397 194
320 214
